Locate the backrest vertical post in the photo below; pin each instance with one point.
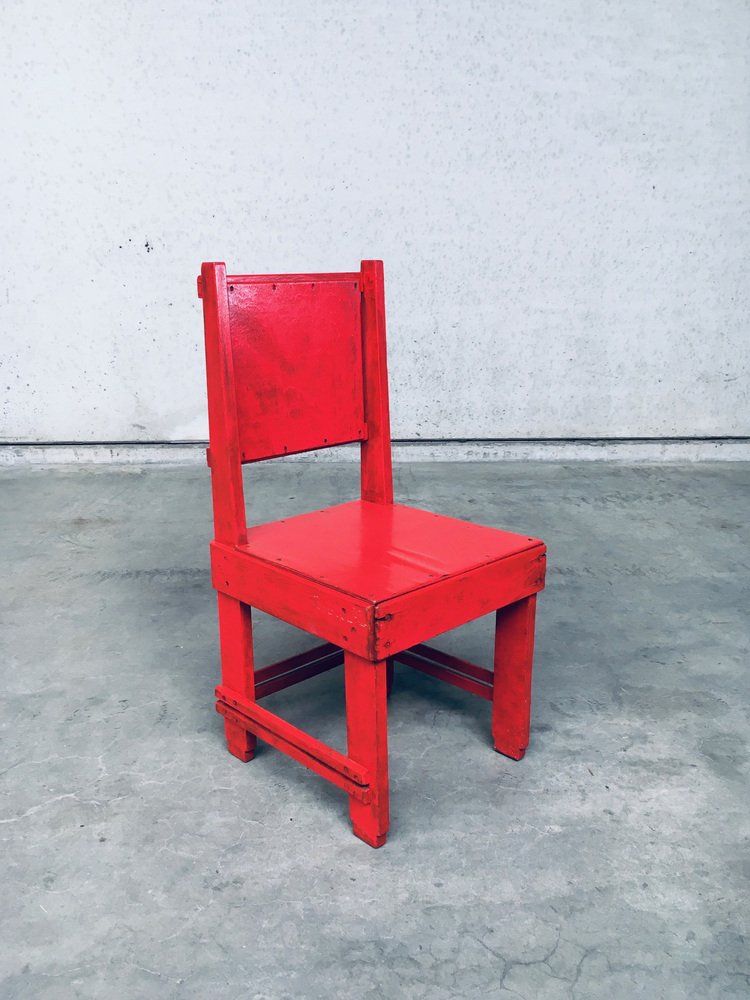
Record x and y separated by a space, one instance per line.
230 523
376 469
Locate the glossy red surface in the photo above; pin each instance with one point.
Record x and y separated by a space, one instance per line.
377 551
297 355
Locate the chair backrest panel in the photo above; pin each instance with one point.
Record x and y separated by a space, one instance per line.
294 362
298 362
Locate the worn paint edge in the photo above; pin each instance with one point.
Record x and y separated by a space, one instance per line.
650 450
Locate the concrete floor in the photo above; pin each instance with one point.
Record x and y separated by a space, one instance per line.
140 860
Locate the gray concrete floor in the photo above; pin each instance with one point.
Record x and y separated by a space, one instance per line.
140 860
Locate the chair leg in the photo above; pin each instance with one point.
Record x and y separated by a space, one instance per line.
367 740
511 689
237 672
389 672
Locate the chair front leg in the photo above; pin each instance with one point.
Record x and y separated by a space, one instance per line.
511 688
367 741
237 670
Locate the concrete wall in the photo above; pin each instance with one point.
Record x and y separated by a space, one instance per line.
559 192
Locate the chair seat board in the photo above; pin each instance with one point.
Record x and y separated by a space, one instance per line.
378 551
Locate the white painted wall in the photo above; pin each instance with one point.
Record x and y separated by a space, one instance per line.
559 192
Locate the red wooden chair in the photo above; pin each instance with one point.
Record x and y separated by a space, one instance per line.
297 362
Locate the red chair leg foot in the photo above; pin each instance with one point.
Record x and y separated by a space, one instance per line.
373 839
510 752
240 743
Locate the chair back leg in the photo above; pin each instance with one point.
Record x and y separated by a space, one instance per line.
237 669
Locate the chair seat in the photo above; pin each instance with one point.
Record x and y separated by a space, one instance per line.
379 551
